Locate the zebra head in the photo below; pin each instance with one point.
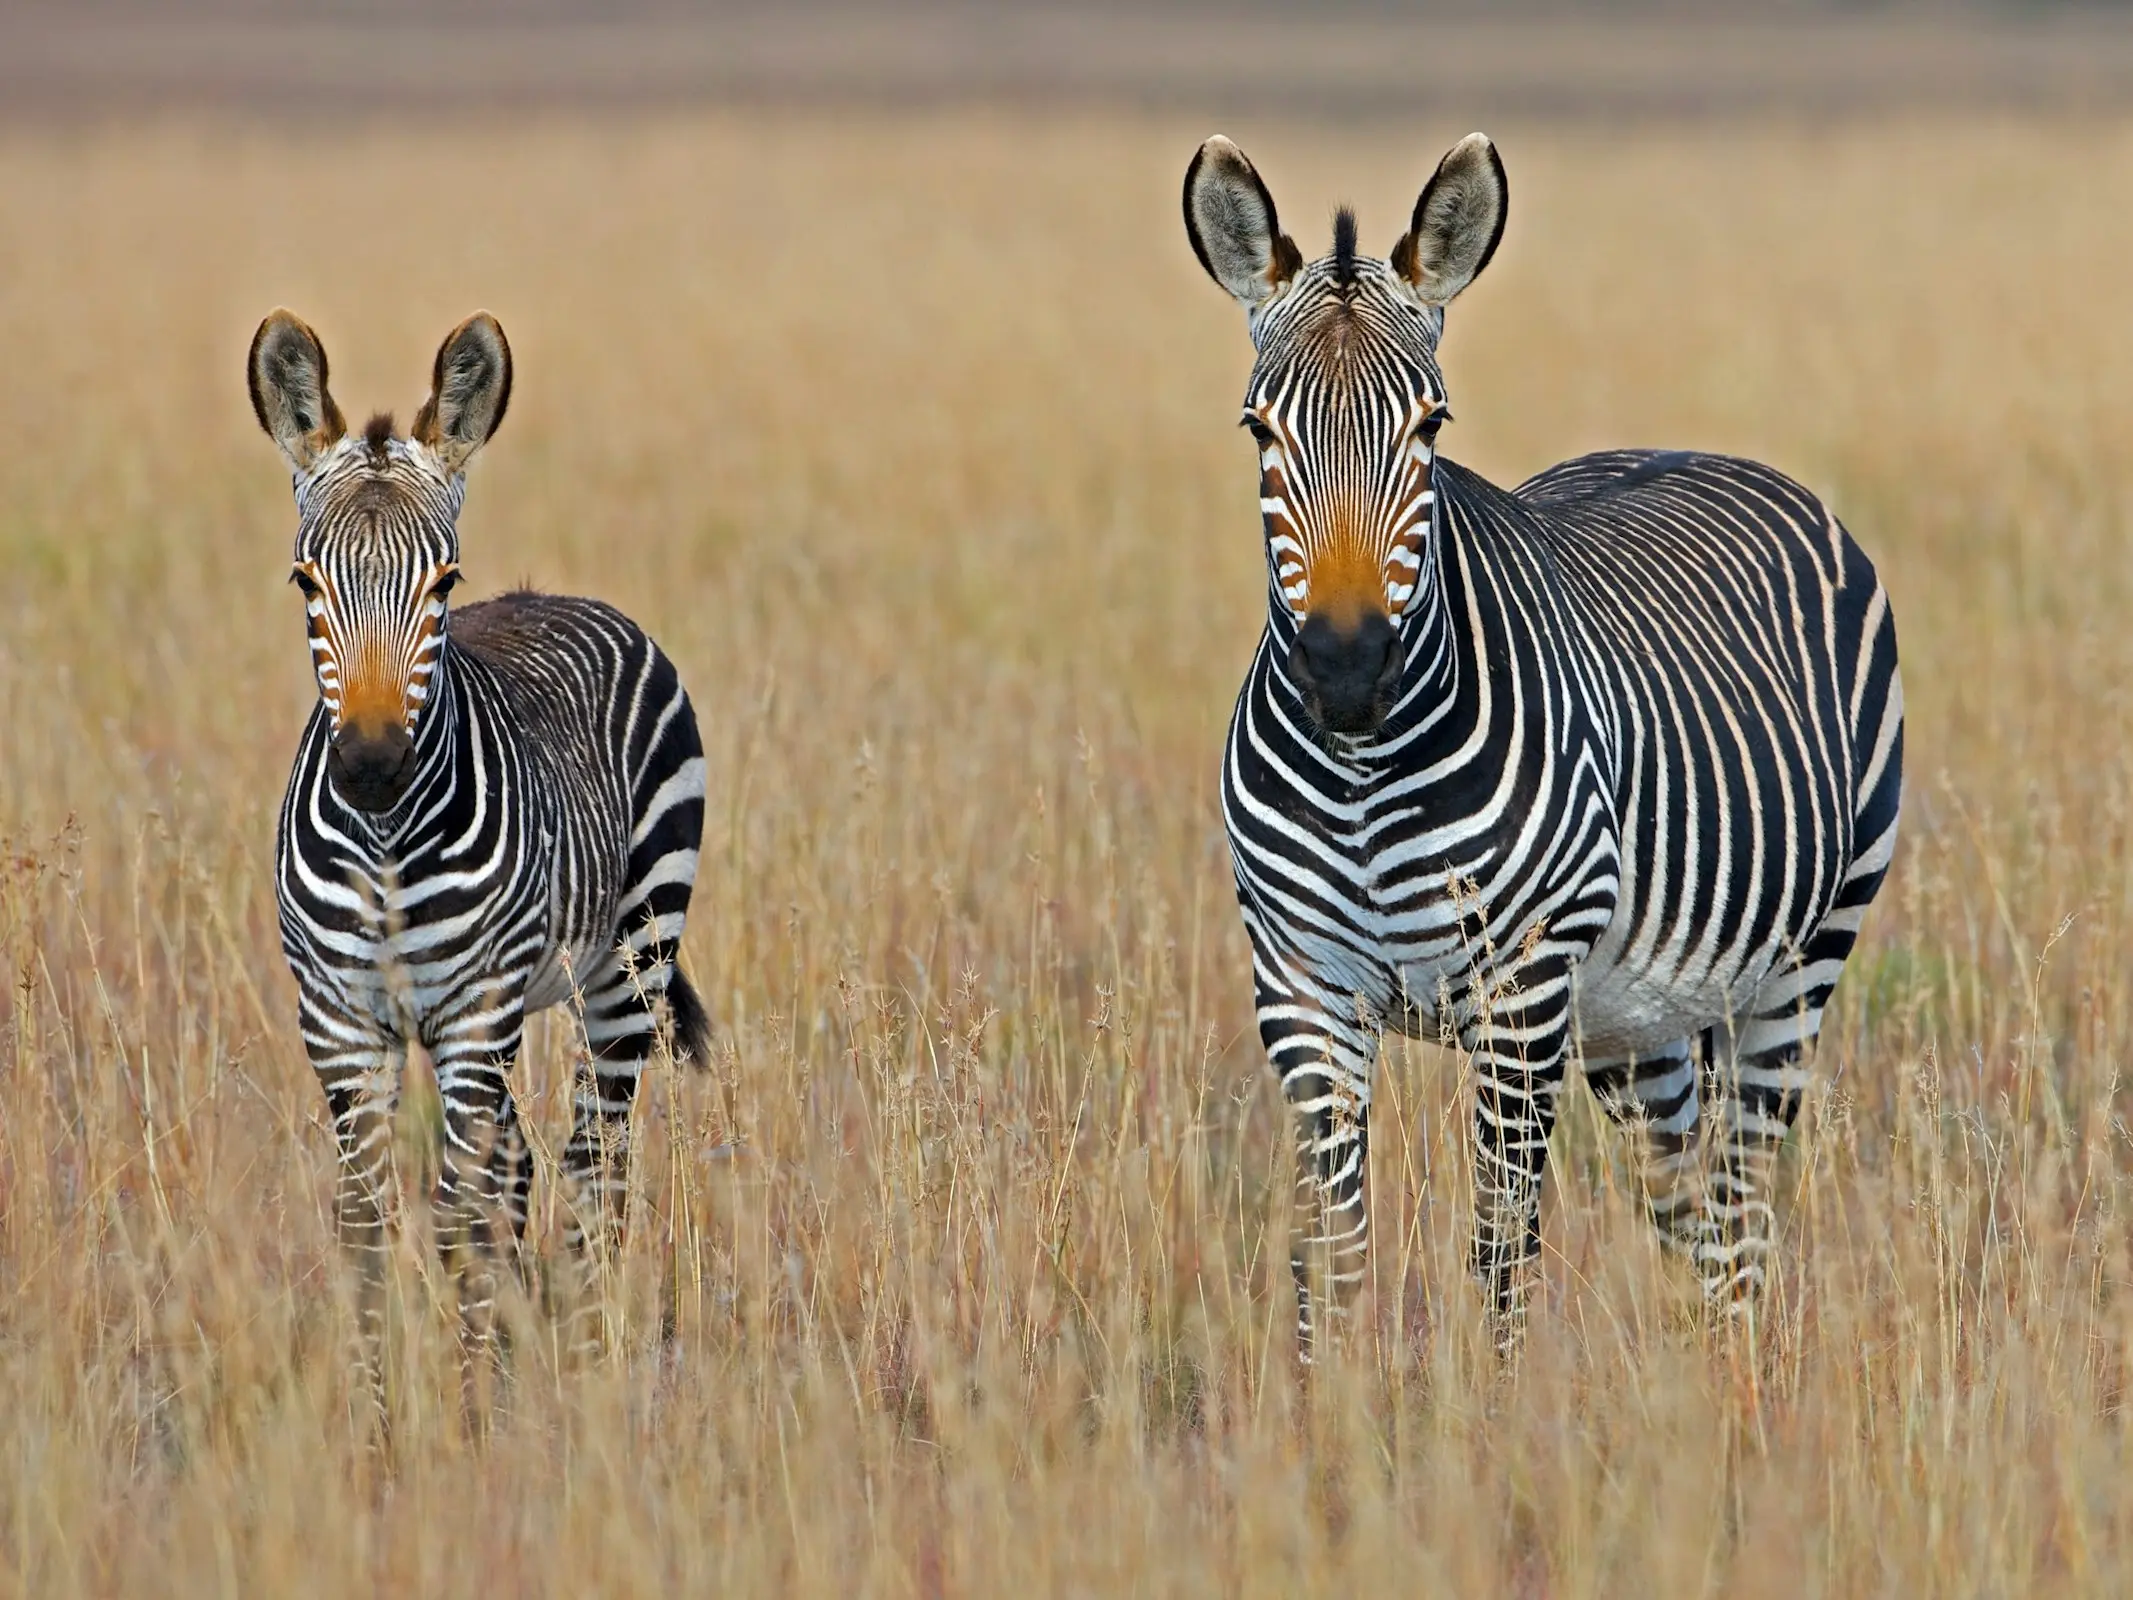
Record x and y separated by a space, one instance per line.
1345 402
377 537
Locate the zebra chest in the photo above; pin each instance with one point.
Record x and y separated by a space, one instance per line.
1454 892
410 939
1411 912
1427 920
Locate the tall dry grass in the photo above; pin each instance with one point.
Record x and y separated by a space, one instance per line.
959 1271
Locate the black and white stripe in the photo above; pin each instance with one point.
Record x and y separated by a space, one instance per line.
534 842
1605 768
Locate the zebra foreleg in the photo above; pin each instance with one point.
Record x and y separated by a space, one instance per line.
1330 1223
1658 1096
482 1187
1324 1065
359 1067
1516 1039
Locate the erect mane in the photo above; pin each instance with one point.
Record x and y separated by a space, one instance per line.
377 433
1344 248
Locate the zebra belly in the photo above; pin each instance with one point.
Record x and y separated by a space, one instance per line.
1650 980
566 969
580 953
1631 998
1629 1009
1628 1001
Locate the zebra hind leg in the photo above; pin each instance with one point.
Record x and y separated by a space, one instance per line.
618 1009
1757 1075
1658 1096
622 1034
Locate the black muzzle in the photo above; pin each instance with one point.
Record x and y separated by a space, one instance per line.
371 771
1349 676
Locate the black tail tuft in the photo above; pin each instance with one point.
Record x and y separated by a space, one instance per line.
692 1023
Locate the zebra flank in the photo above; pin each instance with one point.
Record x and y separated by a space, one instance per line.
1604 769
494 809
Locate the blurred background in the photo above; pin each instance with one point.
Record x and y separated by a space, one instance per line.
1339 59
860 355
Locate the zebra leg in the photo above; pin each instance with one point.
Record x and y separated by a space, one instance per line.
1758 1071
1516 1038
1758 1075
1330 1222
621 1035
1324 1065
482 1185
359 1067
1658 1095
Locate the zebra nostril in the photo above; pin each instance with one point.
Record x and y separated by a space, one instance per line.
1389 669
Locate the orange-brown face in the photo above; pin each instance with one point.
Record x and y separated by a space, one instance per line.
1345 401
376 559
1338 554
377 538
1344 404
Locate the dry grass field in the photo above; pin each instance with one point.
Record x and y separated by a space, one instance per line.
960 1271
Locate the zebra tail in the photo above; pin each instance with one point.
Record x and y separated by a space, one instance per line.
692 1023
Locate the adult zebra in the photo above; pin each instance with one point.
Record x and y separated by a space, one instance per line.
484 819
1606 767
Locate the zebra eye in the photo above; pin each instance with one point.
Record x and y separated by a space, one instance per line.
1262 435
446 582
304 583
1435 420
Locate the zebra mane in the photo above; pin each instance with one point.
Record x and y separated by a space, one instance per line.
377 433
1344 248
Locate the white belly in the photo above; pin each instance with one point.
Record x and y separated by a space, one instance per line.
1630 1002
1623 1013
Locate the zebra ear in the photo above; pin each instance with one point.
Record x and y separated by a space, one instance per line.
470 389
1229 216
1457 224
286 372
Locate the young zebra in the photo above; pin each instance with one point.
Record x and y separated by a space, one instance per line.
1606 767
493 809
